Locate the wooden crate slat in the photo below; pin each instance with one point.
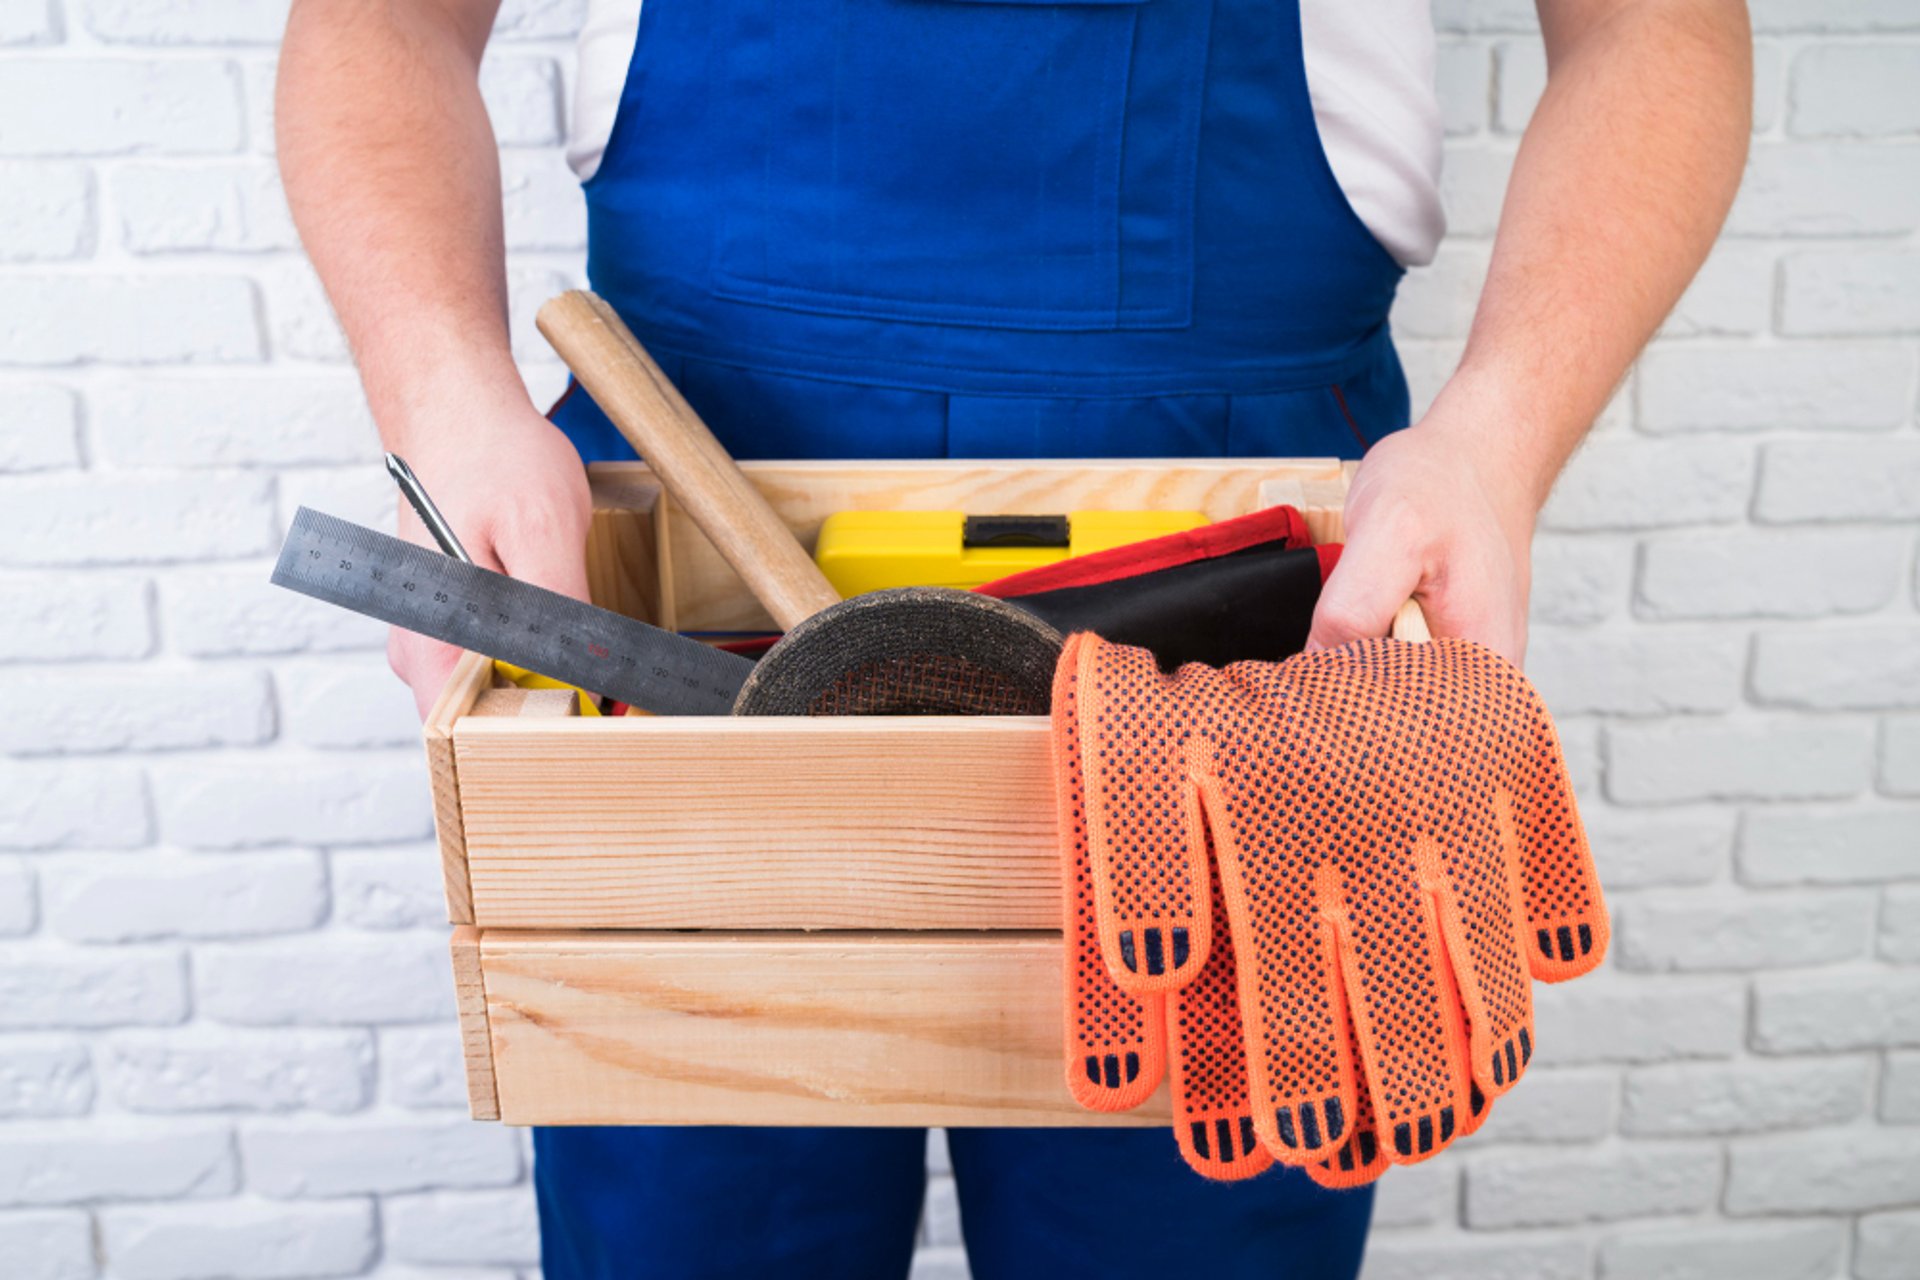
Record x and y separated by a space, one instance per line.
623 550
471 675
742 1028
476 1045
777 823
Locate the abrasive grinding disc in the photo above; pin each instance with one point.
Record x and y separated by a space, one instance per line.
911 651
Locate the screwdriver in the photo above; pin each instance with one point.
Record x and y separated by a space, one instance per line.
429 514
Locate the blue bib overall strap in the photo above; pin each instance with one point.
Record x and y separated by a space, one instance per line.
990 228
973 228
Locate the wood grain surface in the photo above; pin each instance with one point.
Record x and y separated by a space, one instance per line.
470 1000
742 1028
623 547
512 701
684 822
471 675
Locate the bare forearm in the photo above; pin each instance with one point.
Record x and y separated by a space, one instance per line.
391 170
390 165
1621 184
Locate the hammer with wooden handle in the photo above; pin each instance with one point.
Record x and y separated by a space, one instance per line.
692 465
910 650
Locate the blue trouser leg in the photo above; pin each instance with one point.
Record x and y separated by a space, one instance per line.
718 1203
1120 1203
842 1204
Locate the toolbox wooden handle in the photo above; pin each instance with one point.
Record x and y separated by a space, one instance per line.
692 465
1410 624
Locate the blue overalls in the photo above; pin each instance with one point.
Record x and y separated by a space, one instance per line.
973 228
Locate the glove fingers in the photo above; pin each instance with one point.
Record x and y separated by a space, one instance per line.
1475 900
1144 831
1477 1104
1212 1112
1363 1157
1566 913
1115 1041
1359 1159
1406 1010
1293 998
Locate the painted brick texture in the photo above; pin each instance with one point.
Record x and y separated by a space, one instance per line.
226 1041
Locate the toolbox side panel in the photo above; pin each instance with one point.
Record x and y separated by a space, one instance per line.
476 1042
689 822
782 1029
470 678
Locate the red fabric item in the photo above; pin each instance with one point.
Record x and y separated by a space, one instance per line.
1274 524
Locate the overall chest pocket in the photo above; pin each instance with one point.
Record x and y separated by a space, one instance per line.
1000 163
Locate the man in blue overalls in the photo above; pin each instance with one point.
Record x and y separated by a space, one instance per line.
1007 228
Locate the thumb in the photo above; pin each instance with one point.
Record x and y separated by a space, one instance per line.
1364 592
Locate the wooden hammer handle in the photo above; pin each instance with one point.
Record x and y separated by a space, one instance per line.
693 467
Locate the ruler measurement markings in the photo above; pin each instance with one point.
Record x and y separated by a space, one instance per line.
475 608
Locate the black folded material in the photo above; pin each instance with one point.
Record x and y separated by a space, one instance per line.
1239 589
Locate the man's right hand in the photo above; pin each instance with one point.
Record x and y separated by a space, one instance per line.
392 174
512 487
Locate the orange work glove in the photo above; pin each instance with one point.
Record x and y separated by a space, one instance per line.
1119 1043
1397 852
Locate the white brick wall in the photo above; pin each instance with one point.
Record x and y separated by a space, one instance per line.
225 1014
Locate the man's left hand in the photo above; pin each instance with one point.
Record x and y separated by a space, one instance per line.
1439 513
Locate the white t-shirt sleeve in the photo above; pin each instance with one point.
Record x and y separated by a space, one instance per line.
606 48
1370 72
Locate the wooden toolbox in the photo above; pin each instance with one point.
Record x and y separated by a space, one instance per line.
709 920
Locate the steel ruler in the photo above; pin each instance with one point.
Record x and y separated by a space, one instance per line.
397 582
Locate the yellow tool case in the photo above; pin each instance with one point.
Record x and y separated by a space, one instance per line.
718 920
874 550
